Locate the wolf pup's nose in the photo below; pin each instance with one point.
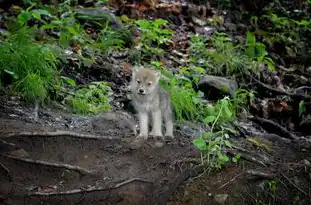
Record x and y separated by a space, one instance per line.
141 91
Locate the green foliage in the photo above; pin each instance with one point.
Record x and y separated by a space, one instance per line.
225 58
285 31
213 144
185 100
243 99
113 38
31 66
222 58
153 36
91 99
258 51
152 32
302 108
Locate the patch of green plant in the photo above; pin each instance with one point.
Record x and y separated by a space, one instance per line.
32 67
153 36
302 108
257 51
185 100
92 99
213 144
114 38
243 99
292 34
222 57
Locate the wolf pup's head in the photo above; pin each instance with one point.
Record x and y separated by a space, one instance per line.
144 80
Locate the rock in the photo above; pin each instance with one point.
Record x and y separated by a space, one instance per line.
198 21
207 31
98 15
214 87
221 198
3 32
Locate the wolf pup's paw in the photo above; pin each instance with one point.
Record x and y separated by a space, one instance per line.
157 135
142 136
169 136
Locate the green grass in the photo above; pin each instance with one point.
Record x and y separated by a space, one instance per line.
32 67
91 99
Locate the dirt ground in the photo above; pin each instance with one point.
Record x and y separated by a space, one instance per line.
111 171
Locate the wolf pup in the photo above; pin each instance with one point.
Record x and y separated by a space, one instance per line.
149 98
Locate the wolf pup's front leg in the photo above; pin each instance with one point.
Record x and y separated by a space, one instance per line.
157 123
143 125
168 123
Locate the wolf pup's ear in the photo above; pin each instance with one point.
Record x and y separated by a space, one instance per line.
134 70
158 74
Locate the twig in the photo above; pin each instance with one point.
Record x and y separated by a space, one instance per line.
292 183
55 134
51 164
260 174
4 168
230 181
273 127
91 189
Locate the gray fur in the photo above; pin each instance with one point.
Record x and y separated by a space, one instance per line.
149 98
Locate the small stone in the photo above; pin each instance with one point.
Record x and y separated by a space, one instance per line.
221 198
158 144
215 84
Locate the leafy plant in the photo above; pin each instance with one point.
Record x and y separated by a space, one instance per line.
243 99
213 144
32 67
222 58
153 36
91 99
258 51
185 100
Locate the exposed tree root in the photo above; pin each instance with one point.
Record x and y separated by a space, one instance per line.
55 134
275 91
91 189
273 127
248 158
51 164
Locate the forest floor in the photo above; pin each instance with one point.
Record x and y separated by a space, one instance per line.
108 170
63 158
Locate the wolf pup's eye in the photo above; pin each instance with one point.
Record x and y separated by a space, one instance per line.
138 81
149 84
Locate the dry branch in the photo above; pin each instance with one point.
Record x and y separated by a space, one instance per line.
7 171
91 189
56 134
248 157
260 174
297 187
51 164
230 181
